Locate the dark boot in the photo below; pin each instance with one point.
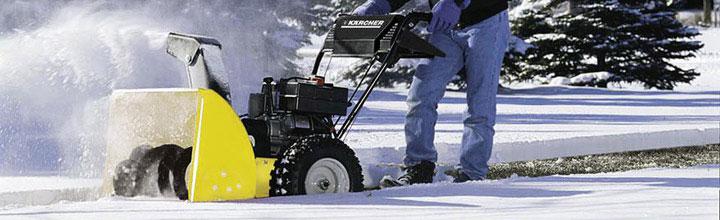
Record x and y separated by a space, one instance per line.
458 175
419 173
461 178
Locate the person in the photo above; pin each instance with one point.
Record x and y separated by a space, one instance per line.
474 36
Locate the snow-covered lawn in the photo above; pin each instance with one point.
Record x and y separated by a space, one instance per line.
690 193
546 113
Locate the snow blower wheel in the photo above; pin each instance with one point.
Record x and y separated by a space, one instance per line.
315 165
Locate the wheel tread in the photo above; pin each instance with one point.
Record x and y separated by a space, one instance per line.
286 177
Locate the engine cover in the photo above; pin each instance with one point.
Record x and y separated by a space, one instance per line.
307 97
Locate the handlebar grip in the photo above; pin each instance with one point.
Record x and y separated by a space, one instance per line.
420 16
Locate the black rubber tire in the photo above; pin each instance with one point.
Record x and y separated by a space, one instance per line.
291 167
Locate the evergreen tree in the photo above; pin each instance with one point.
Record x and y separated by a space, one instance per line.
599 37
548 51
632 39
660 38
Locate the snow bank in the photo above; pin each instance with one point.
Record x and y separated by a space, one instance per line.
587 78
560 81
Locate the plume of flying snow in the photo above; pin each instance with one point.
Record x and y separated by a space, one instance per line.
59 61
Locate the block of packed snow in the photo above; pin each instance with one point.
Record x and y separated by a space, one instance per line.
590 78
560 81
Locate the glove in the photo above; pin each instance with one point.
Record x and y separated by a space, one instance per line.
446 14
373 7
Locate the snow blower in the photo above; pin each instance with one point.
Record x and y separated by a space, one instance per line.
189 142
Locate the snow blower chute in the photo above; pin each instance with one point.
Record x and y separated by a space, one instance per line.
189 142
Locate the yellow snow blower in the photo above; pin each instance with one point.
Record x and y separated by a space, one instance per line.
189 142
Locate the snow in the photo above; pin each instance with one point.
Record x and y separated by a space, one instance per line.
707 63
29 183
528 6
586 78
553 111
552 36
41 190
560 81
688 193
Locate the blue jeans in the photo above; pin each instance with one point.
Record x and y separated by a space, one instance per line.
480 49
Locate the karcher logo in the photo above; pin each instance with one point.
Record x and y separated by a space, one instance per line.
363 24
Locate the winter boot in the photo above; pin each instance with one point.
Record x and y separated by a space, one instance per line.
458 175
461 178
419 173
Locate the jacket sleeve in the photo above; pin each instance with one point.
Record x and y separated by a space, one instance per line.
396 4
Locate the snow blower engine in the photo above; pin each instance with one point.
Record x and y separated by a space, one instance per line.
189 142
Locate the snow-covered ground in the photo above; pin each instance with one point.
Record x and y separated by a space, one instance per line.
690 193
21 183
40 190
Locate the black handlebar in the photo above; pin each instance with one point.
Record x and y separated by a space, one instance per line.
413 16
419 16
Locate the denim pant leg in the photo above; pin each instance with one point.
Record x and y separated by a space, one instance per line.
426 90
486 45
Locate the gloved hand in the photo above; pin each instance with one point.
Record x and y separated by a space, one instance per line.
446 14
373 7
